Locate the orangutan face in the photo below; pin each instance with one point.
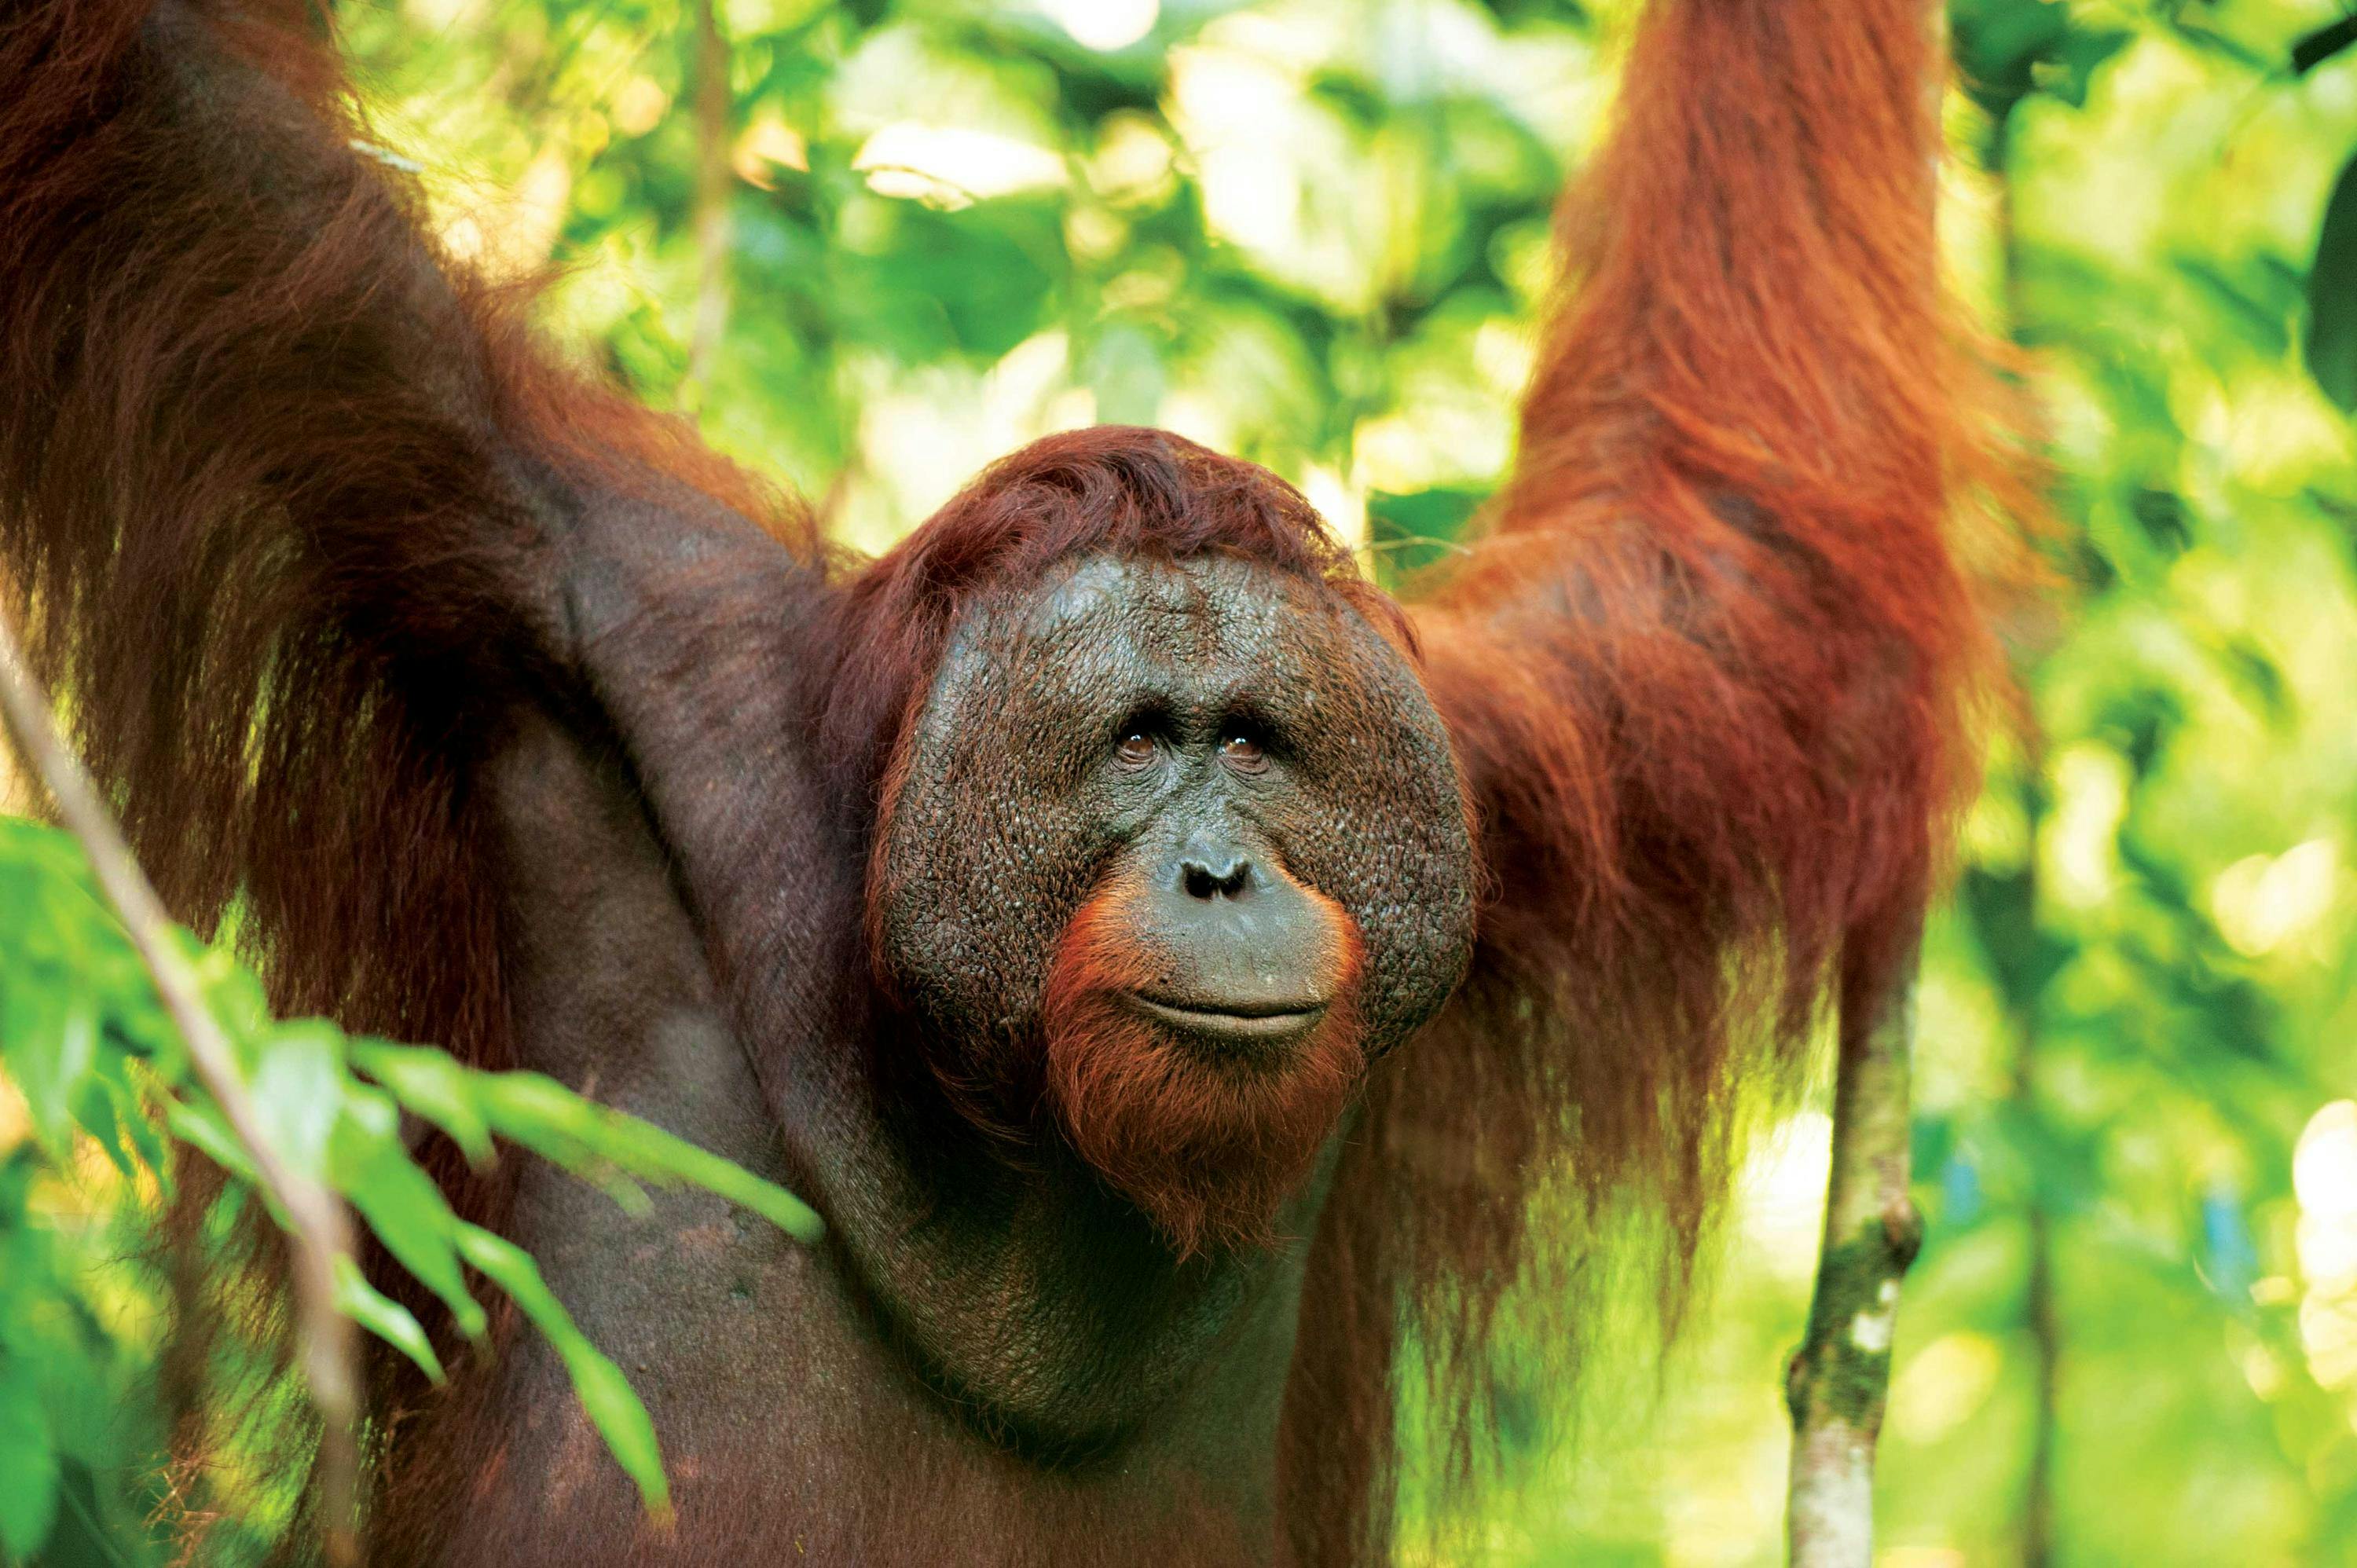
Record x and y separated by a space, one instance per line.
1171 853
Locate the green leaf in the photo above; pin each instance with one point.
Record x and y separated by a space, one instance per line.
383 1316
432 1085
1410 532
135 1011
606 1395
28 1467
401 1205
200 1126
231 991
51 1035
99 1111
297 1090
2316 48
112 1080
2332 296
542 1115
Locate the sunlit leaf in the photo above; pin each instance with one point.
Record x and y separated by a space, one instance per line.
401 1203
232 991
199 1125
606 1394
384 1318
297 1090
542 1114
432 1085
50 1037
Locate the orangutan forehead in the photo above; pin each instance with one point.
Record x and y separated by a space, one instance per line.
1212 611
1049 666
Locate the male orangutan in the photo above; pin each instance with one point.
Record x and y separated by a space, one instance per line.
1172 968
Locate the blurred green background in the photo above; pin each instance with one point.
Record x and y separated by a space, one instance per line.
912 235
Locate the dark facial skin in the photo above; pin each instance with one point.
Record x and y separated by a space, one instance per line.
1238 750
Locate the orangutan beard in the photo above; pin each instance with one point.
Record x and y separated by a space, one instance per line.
1209 1141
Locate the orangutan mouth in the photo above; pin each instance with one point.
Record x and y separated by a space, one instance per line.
1247 1022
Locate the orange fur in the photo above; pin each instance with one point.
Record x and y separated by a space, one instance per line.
1709 668
1207 1148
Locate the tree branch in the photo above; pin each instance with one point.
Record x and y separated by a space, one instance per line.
317 1224
1840 1377
1839 1382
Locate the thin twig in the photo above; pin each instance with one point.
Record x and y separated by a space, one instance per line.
317 1223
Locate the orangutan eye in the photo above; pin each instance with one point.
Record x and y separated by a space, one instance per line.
1136 749
1242 751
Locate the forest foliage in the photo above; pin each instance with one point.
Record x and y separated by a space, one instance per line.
912 235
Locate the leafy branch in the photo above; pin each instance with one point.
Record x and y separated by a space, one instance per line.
115 1023
313 1219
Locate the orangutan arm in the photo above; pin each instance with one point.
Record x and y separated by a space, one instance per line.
1709 665
304 517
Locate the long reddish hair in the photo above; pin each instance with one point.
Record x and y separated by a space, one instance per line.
254 450
1710 667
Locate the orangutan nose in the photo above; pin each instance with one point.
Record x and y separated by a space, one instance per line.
1248 950
1215 875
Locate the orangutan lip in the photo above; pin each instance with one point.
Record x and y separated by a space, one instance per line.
1235 1023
